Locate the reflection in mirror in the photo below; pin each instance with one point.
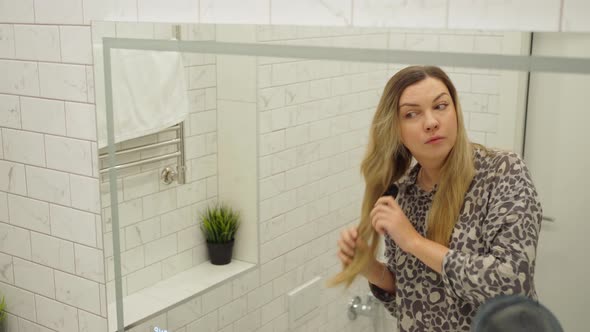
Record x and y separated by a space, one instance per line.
281 139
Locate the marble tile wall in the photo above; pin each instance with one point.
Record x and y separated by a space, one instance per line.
158 229
53 275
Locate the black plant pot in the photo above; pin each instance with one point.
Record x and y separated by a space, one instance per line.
220 253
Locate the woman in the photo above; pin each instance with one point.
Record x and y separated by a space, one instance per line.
465 223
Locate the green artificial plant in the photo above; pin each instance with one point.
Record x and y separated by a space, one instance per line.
220 223
2 310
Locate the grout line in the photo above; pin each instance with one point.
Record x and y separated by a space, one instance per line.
50 134
38 76
45 153
46 61
50 168
78 309
56 204
352 13
51 299
20 118
315 80
54 281
34 13
273 41
560 20
26 180
45 98
50 228
257 166
13 274
59 43
269 16
83 17
14 41
49 24
49 267
448 13
88 85
199 18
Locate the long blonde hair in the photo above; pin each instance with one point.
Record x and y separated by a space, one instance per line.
387 160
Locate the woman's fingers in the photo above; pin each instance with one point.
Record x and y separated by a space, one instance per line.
345 248
344 258
384 214
386 200
347 245
381 219
380 208
349 237
379 223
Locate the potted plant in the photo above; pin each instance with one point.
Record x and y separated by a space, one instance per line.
219 224
2 315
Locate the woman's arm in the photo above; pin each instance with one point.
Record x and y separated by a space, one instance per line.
511 230
382 279
429 252
379 275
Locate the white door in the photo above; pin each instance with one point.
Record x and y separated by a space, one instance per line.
557 151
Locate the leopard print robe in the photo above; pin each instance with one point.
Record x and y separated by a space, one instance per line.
492 248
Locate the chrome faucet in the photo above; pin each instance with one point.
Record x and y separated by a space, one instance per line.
357 307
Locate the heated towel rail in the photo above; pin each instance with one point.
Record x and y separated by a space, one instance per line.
168 174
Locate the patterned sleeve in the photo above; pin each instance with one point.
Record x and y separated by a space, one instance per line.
387 298
510 231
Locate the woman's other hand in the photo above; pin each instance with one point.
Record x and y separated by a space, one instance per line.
347 245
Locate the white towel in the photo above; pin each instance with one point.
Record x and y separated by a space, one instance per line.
149 94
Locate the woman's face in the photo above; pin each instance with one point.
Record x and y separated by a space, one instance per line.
428 121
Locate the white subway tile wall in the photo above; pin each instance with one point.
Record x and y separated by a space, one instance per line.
75 44
37 42
63 81
60 11
316 12
574 12
19 77
47 124
169 11
242 11
400 13
158 222
43 115
111 10
505 15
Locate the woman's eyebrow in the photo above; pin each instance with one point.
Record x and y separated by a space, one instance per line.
440 95
408 104
416 105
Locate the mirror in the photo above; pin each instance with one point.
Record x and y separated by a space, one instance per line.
277 127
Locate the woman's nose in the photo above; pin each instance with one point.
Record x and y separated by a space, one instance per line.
431 122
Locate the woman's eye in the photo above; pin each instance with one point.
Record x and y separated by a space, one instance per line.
441 106
410 115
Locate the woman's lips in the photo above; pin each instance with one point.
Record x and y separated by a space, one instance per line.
434 140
